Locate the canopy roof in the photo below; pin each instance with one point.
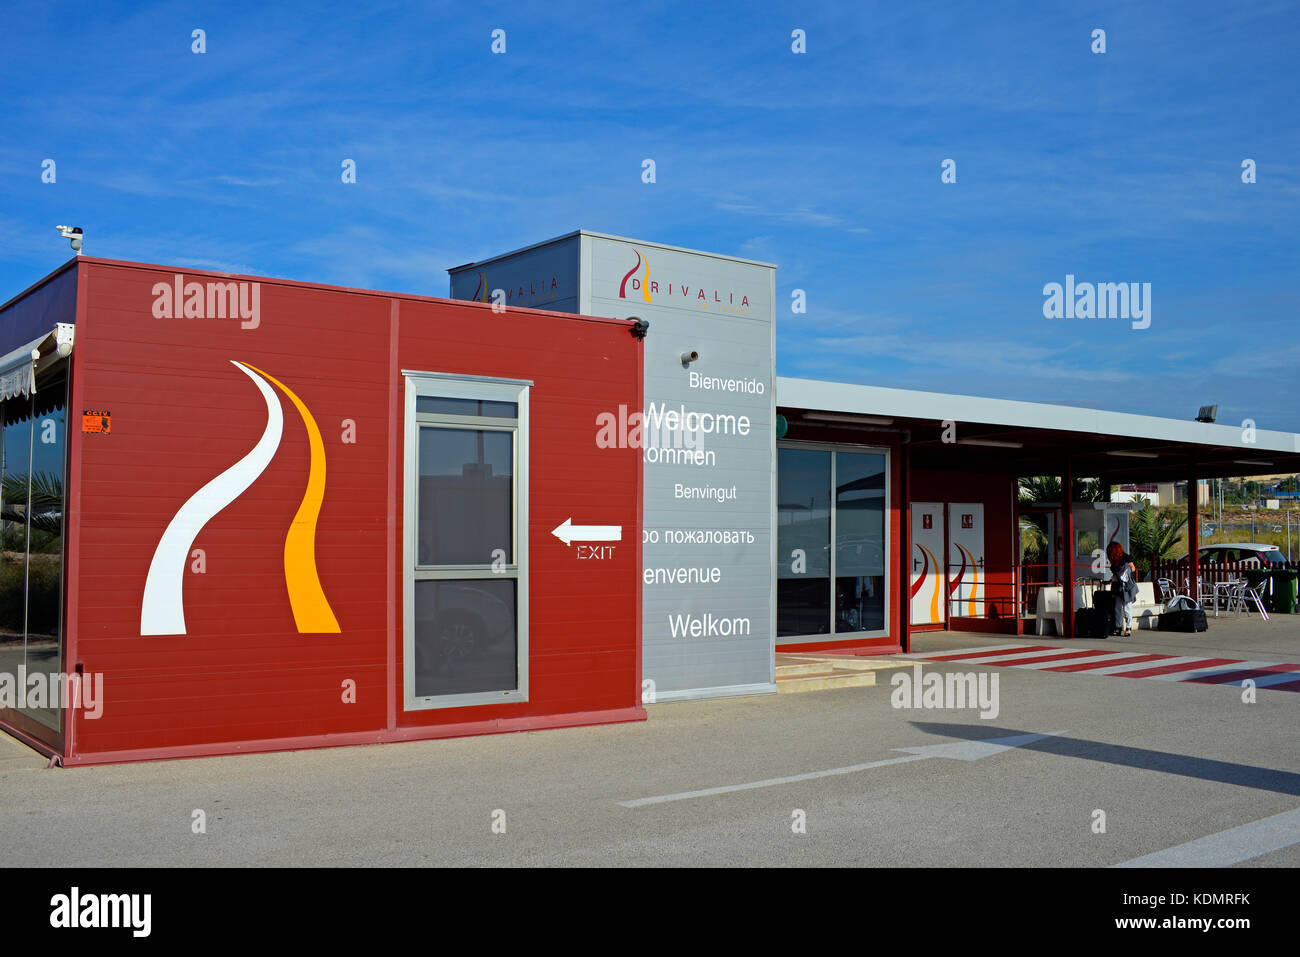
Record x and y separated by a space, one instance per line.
1031 438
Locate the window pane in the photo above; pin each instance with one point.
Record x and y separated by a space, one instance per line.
501 410
465 496
803 593
859 541
14 460
31 571
465 636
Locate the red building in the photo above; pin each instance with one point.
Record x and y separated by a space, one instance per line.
297 515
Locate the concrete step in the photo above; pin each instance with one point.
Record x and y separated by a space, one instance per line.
825 681
844 663
808 668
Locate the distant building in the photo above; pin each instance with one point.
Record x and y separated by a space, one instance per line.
1160 493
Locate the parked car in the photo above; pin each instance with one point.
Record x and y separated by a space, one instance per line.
1268 556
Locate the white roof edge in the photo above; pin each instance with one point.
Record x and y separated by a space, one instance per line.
876 400
622 239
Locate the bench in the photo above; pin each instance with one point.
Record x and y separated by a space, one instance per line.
1146 610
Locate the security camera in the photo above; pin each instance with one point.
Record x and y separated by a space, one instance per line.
689 357
639 328
73 233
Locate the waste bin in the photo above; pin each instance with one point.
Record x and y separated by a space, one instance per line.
1286 591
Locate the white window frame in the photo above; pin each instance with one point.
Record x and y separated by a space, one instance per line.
450 386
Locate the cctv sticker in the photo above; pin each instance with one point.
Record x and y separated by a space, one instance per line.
96 422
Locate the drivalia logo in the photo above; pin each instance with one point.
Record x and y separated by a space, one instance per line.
719 299
481 290
643 282
163 611
535 292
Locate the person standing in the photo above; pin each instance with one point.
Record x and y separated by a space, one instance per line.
1123 585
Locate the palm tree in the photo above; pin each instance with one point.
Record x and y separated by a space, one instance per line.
1033 542
1151 537
47 501
1047 488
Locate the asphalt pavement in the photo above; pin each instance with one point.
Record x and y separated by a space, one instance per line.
727 783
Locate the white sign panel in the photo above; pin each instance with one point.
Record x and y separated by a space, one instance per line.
966 586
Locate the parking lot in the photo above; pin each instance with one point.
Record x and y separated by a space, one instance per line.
840 777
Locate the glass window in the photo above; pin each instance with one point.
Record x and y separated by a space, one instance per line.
803 536
826 496
476 407
466 496
859 541
465 636
466 618
32 500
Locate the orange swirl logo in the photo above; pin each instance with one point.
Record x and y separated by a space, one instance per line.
163 610
645 278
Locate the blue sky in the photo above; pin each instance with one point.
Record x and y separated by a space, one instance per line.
1123 166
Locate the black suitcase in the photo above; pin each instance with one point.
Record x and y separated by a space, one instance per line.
1189 619
1091 623
1107 605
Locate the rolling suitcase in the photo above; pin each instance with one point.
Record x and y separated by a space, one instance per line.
1107 606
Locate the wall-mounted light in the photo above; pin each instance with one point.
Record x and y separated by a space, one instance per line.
1252 462
1207 413
688 358
639 328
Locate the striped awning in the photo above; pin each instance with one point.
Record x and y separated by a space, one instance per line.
18 369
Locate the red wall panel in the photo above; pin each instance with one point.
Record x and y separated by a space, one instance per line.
182 413
997 493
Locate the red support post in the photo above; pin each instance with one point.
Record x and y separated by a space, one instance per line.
1067 549
904 590
1193 535
947 595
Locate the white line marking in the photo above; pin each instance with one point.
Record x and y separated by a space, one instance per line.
1215 670
1010 656
1075 660
163 611
770 782
959 750
961 651
1138 666
1228 847
1280 678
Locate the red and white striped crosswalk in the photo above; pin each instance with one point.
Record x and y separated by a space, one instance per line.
1125 664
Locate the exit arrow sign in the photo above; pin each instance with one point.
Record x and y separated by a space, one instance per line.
569 533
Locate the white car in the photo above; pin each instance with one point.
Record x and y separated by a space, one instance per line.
1268 556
